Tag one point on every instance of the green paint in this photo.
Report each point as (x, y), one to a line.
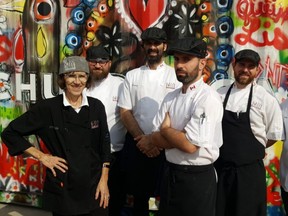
(10, 113)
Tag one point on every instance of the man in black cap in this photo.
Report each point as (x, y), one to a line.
(106, 88)
(252, 121)
(188, 127)
(144, 89)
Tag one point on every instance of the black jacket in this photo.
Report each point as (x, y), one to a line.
(80, 138)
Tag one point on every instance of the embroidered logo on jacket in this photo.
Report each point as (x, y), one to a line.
(94, 124)
(256, 104)
(170, 85)
(115, 98)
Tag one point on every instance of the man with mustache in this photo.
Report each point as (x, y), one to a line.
(143, 90)
(188, 127)
(106, 88)
(252, 121)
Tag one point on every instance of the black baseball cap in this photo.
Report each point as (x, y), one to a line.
(190, 46)
(249, 55)
(97, 52)
(155, 34)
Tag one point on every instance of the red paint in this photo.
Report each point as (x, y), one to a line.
(5, 48)
(146, 15)
(252, 13)
(32, 172)
(273, 195)
(71, 3)
(18, 47)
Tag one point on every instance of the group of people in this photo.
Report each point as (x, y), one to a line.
(160, 131)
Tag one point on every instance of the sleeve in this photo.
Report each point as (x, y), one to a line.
(284, 107)
(27, 124)
(273, 119)
(164, 108)
(104, 135)
(204, 128)
(125, 100)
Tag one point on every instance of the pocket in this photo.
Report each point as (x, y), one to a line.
(204, 131)
(54, 184)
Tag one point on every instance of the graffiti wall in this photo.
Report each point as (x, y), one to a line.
(35, 35)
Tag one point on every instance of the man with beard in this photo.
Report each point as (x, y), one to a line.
(144, 89)
(106, 88)
(252, 121)
(188, 127)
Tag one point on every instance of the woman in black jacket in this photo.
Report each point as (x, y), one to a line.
(74, 130)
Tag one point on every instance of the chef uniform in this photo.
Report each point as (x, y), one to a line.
(189, 183)
(242, 178)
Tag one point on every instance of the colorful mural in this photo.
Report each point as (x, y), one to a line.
(35, 35)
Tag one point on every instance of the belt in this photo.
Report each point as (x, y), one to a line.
(190, 168)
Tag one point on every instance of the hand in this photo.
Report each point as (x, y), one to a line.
(166, 122)
(102, 191)
(154, 152)
(53, 162)
(146, 147)
(144, 143)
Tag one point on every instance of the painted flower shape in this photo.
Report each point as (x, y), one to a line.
(113, 40)
(6, 196)
(186, 19)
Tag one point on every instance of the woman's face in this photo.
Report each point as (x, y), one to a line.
(75, 83)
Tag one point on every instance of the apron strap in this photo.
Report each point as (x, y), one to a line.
(249, 99)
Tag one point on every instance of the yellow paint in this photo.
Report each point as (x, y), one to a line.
(281, 3)
(96, 15)
(110, 3)
(204, 18)
(90, 36)
(41, 43)
(17, 5)
(278, 148)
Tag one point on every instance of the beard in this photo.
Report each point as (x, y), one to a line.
(97, 75)
(244, 80)
(154, 59)
(186, 79)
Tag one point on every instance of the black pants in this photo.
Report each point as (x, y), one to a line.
(284, 196)
(142, 175)
(188, 190)
(116, 185)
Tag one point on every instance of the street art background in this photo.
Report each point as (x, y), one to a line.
(35, 35)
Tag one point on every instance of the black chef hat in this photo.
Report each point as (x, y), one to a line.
(190, 46)
(155, 34)
(249, 55)
(97, 52)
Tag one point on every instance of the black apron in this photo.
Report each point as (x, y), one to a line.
(188, 190)
(242, 179)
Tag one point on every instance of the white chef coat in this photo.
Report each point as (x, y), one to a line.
(199, 113)
(284, 154)
(144, 90)
(265, 113)
(107, 91)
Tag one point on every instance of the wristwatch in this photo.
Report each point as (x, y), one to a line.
(106, 165)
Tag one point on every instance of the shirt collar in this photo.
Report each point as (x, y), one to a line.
(195, 86)
(160, 66)
(84, 99)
